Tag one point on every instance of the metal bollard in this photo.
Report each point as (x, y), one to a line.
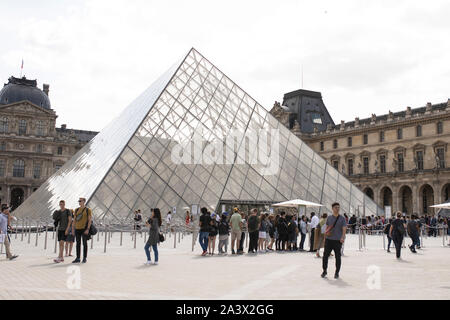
(121, 236)
(15, 237)
(443, 237)
(1, 248)
(45, 242)
(98, 236)
(92, 243)
(384, 242)
(135, 237)
(193, 239)
(109, 237)
(179, 238)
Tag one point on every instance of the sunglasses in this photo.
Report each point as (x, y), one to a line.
(80, 200)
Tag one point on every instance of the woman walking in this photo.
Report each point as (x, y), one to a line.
(271, 224)
(397, 232)
(303, 231)
(154, 222)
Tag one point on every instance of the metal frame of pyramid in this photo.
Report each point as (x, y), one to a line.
(128, 164)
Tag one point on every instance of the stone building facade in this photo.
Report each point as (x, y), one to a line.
(400, 159)
(31, 147)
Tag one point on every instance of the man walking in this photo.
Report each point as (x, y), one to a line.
(334, 239)
(236, 230)
(63, 219)
(314, 223)
(4, 218)
(204, 223)
(80, 228)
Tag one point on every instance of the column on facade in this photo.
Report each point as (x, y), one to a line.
(415, 199)
(395, 199)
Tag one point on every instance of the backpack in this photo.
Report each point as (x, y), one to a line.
(282, 226)
(386, 229)
(400, 228)
(223, 228)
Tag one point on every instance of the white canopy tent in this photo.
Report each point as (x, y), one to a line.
(297, 203)
(442, 206)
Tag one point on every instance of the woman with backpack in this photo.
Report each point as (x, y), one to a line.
(224, 232)
(154, 222)
(213, 230)
(397, 233)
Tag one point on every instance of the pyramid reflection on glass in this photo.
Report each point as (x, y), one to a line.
(128, 164)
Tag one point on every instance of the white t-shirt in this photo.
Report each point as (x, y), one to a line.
(314, 221)
(169, 217)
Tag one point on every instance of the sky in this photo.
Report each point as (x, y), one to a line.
(363, 56)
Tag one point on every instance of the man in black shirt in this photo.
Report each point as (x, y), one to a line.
(205, 221)
(63, 220)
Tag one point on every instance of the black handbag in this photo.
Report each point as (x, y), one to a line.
(161, 237)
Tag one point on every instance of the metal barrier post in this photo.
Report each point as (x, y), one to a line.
(443, 237)
(145, 237)
(29, 233)
(45, 242)
(121, 236)
(37, 234)
(105, 233)
(23, 228)
(384, 242)
(98, 236)
(92, 243)
(109, 236)
(56, 242)
(135, 236)
(359, 238)
(193, 238)
(17, 222)
(175, 240)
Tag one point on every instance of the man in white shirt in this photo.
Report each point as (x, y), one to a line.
(168, 220)
(314, 224)
(4, 220)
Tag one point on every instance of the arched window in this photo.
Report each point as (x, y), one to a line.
(22, 127)
(4, 128)
(39, 128)
(19, 168)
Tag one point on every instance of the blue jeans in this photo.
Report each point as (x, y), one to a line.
(155, 251)
(203, 239)
(389, 242)
(415, 241)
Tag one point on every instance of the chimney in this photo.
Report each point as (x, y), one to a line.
(428, 108)
(342, 125)
(408, 112)
(45, 88)
(448, 104)
(357, 122)
(64, 126)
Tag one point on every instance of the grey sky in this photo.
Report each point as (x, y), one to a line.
(364, 56)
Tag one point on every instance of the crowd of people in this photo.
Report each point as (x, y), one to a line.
(266, 232)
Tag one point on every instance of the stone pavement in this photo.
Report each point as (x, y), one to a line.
(181, 274)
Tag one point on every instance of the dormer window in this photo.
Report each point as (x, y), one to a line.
(316, 118)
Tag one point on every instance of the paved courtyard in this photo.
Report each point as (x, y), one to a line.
(182, 274)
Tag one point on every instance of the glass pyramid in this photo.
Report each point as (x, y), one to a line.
(129, 164)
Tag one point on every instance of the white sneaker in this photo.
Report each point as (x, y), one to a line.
(155, 263)
(147, 263)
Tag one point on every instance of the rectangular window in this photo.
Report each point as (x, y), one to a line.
(366, 165)
(439, 127)
(57, 167)
(37, 171)
(419, 159)
(2, 168)
(350, 167)
(2, 146)
(336, 164)
(399, 133)
(39, 128)
(4, 125)
(400, 162)
(381, 136)
(419, 131)
(382, 163)
(321, 147)
(365, 139)
(349, 141)
(22, 127)
(39, 148)
(335, 144)
(441, 157)
(60, 150)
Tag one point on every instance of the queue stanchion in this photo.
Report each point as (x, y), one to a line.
(443, 236)
(109, 236)
(17, 224)
(29, 233)
(23, 228)
(105, 233)
(384, 242)
(56, 241)
(121, 237)
(45, 241)
(37, 234)
(175, 240)
(135, 236)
